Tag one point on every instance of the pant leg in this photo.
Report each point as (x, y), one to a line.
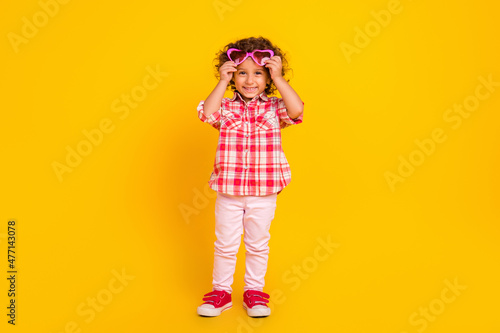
(228, 230)
(259, 212)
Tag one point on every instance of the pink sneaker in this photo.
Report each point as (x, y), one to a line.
(215, 302)
(255, 303)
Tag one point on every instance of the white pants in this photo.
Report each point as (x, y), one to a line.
(234, 216)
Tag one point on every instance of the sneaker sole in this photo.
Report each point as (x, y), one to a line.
(256, 313)
(214, 312)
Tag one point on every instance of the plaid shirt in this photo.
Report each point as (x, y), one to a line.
(249, 158)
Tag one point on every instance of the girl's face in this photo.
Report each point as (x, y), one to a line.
(250, 79)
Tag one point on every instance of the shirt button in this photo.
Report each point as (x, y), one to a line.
(246, 135)
(245, 167)
(246, 150)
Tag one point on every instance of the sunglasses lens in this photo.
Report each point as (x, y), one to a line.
(260, 56)
(237, 56)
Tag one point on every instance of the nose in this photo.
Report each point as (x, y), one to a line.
(249, 79)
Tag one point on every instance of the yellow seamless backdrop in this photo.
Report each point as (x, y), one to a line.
(390, 223)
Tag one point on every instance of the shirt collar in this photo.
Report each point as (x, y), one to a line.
(262, 96)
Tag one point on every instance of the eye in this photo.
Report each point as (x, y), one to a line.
(242, 73)
(258, 72)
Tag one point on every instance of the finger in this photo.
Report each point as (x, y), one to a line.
(227, 68)
(273, 62)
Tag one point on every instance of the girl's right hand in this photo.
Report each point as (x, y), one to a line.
(226, 71)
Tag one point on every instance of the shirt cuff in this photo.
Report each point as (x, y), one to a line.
(285, 119)
(213, 119)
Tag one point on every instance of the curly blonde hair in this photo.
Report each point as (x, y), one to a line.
(248, 45)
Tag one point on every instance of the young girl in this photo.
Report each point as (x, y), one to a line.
(250, 167)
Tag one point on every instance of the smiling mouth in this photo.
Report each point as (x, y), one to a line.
(250, 90)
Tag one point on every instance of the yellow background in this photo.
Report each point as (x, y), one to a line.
(121, 207)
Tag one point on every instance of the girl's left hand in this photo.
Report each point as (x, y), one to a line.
(274, 65)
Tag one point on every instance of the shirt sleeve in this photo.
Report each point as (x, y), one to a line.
(213, 119)
(285, 120)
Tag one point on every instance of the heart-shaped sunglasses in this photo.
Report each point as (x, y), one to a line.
(259, 56)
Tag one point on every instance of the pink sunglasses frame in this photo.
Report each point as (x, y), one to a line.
(247, 55)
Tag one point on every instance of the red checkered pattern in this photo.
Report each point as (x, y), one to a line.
(249, 158)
